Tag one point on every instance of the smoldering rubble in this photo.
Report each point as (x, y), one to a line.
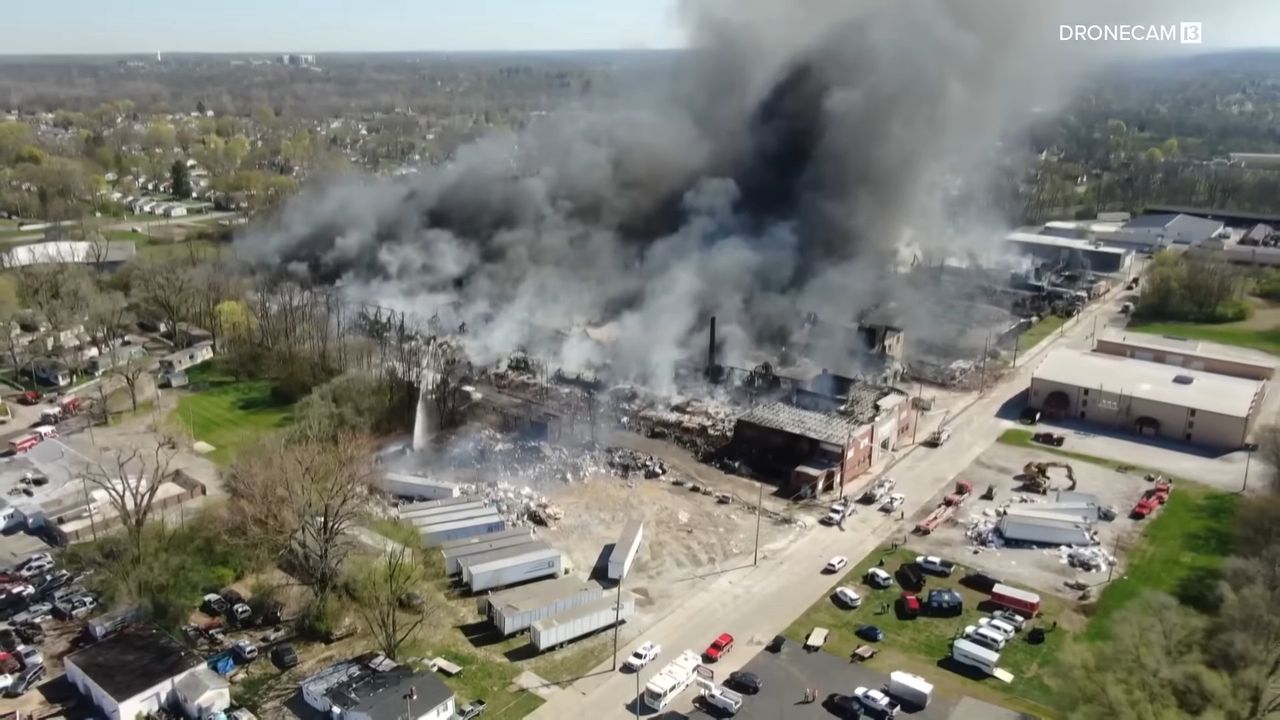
(799, 157)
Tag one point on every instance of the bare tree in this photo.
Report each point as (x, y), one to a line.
(165, 289)
(108, 320)
(132, 370)
(303, 498)
(131, 478)
(387, 600)
(446, 373)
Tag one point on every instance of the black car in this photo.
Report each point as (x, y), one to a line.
(846, 707)
(746, 682)
(284, 656)
(25, 681)
(776, 644)
(944, 602)
(1029, 416)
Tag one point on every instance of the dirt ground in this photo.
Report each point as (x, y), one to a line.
(1044, 569)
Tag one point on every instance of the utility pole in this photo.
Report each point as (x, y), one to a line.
(1114, 550)
(919, 400)
(617, 621)
(759, 502)
(986, 350)
(637, 705)
(88, 506)
(844, 454)
(1247, 458)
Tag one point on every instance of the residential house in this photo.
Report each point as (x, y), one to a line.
(137, 672)
(186, 358)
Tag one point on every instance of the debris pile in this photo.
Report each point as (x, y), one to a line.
(625, 461)
(1088, 559)
(981, 531)
(545, 514)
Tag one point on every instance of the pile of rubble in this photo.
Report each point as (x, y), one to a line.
(625, 461)
(981, 531)
(1088, 559)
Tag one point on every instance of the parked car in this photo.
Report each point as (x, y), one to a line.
(909, 604)
(870, 633)
(878, 578)
(845, 707)
(29, 656)
(1010, 617)
(240, 612)
(935, 565)
(273, 635)
(5, 681)
(35, 568)
(643, 655)
(747, 682)
(980, 581)
(213, 605)
(40, 612)
(1004, 628)
(1029, 416)
(836, 564)
(837, 514)
(1046, 438)
(944, 602)
(985, 637)
(26, 680)
(894, 502)
(82, 606)
(42, 558)
(938, 437)
(719, 647)
(776, 644)
(284, 656)
(472, 710)
(848, 597)
(876, 703)
(245, 651)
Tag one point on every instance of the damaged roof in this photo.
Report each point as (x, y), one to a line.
(827, 427)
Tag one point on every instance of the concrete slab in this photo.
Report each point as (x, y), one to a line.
(535, 684)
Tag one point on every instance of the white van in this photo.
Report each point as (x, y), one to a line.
(986, 637)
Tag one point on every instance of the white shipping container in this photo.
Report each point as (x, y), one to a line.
(539, 563)
(500, 535)
(516, 610)
(417, 486)
(432, 504)
(409, 512)
(453, 516)
(597, 615)
(624, 551)
(435, 535)
(453, 559)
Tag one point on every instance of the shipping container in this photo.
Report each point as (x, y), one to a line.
(434, 535)
(1022, 602)
(500, 535)
(433, 504)
(1043, 531)
(624, 551)
(414, 510)
(454, 558)
(515, 610)
(511, 566)
(417, 486)
(501, 553)
(449, 517)
(597, 615)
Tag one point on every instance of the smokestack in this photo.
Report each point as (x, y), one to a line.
(711, 349)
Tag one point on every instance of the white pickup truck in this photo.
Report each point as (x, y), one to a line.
(876, 703)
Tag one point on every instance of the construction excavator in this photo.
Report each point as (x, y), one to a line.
(1035, 477)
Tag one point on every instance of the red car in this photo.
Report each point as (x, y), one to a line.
(910, 604)
(30, 397)
(719, 647)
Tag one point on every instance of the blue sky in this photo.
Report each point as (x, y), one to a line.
(91, 26)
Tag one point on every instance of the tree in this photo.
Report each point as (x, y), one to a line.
(132, 370)
(384, 594)
(302, 498)
(167, 290)
(181, 179)
(130, 479)
(351, 403)
(109, 319)
(445, 375)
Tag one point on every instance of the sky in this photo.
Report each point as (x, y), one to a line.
(146, 26)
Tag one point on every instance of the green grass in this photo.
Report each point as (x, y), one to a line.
(1238, 334)
(228, 414)
(1039, 331)
(1182, 547)
(918, 645)
(491, 681)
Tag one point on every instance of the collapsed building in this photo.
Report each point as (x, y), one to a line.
(823, 437)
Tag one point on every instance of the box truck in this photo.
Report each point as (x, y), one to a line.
(557, 630)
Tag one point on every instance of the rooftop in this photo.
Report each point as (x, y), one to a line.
(69, 251)
(1187, 346)
(133, 661)
(1151, 381)
(1024, 238)
(382, 695)
(529, 597)
(1176, 223)
(827, 427)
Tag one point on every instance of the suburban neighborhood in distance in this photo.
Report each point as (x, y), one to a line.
(667, 360)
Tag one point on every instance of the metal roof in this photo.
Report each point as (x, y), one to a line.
(827, 427)
(1186, 346)
(1044, 531)
(540, 594)
(1151, 381)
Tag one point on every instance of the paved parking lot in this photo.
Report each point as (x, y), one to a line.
(786, 675)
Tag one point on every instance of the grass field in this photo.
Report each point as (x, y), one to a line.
(1181, 549)
(228, 414)
(1039, 331)
(1243, 334)
(920, 645)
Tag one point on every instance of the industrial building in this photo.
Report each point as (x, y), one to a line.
(1146, 397)
(1166, 229)
(1071, 252)
(1191, 354)
(141, 671)
(825, 436)
(374, 688)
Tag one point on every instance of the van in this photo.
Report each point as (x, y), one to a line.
(985, 637)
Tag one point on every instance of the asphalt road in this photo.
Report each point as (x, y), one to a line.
(756, 603)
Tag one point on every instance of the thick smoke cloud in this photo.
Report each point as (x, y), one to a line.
(801, 153)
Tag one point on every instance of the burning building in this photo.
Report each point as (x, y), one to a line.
(823, 437)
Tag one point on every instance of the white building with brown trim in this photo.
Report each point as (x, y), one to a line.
(1191, 354)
